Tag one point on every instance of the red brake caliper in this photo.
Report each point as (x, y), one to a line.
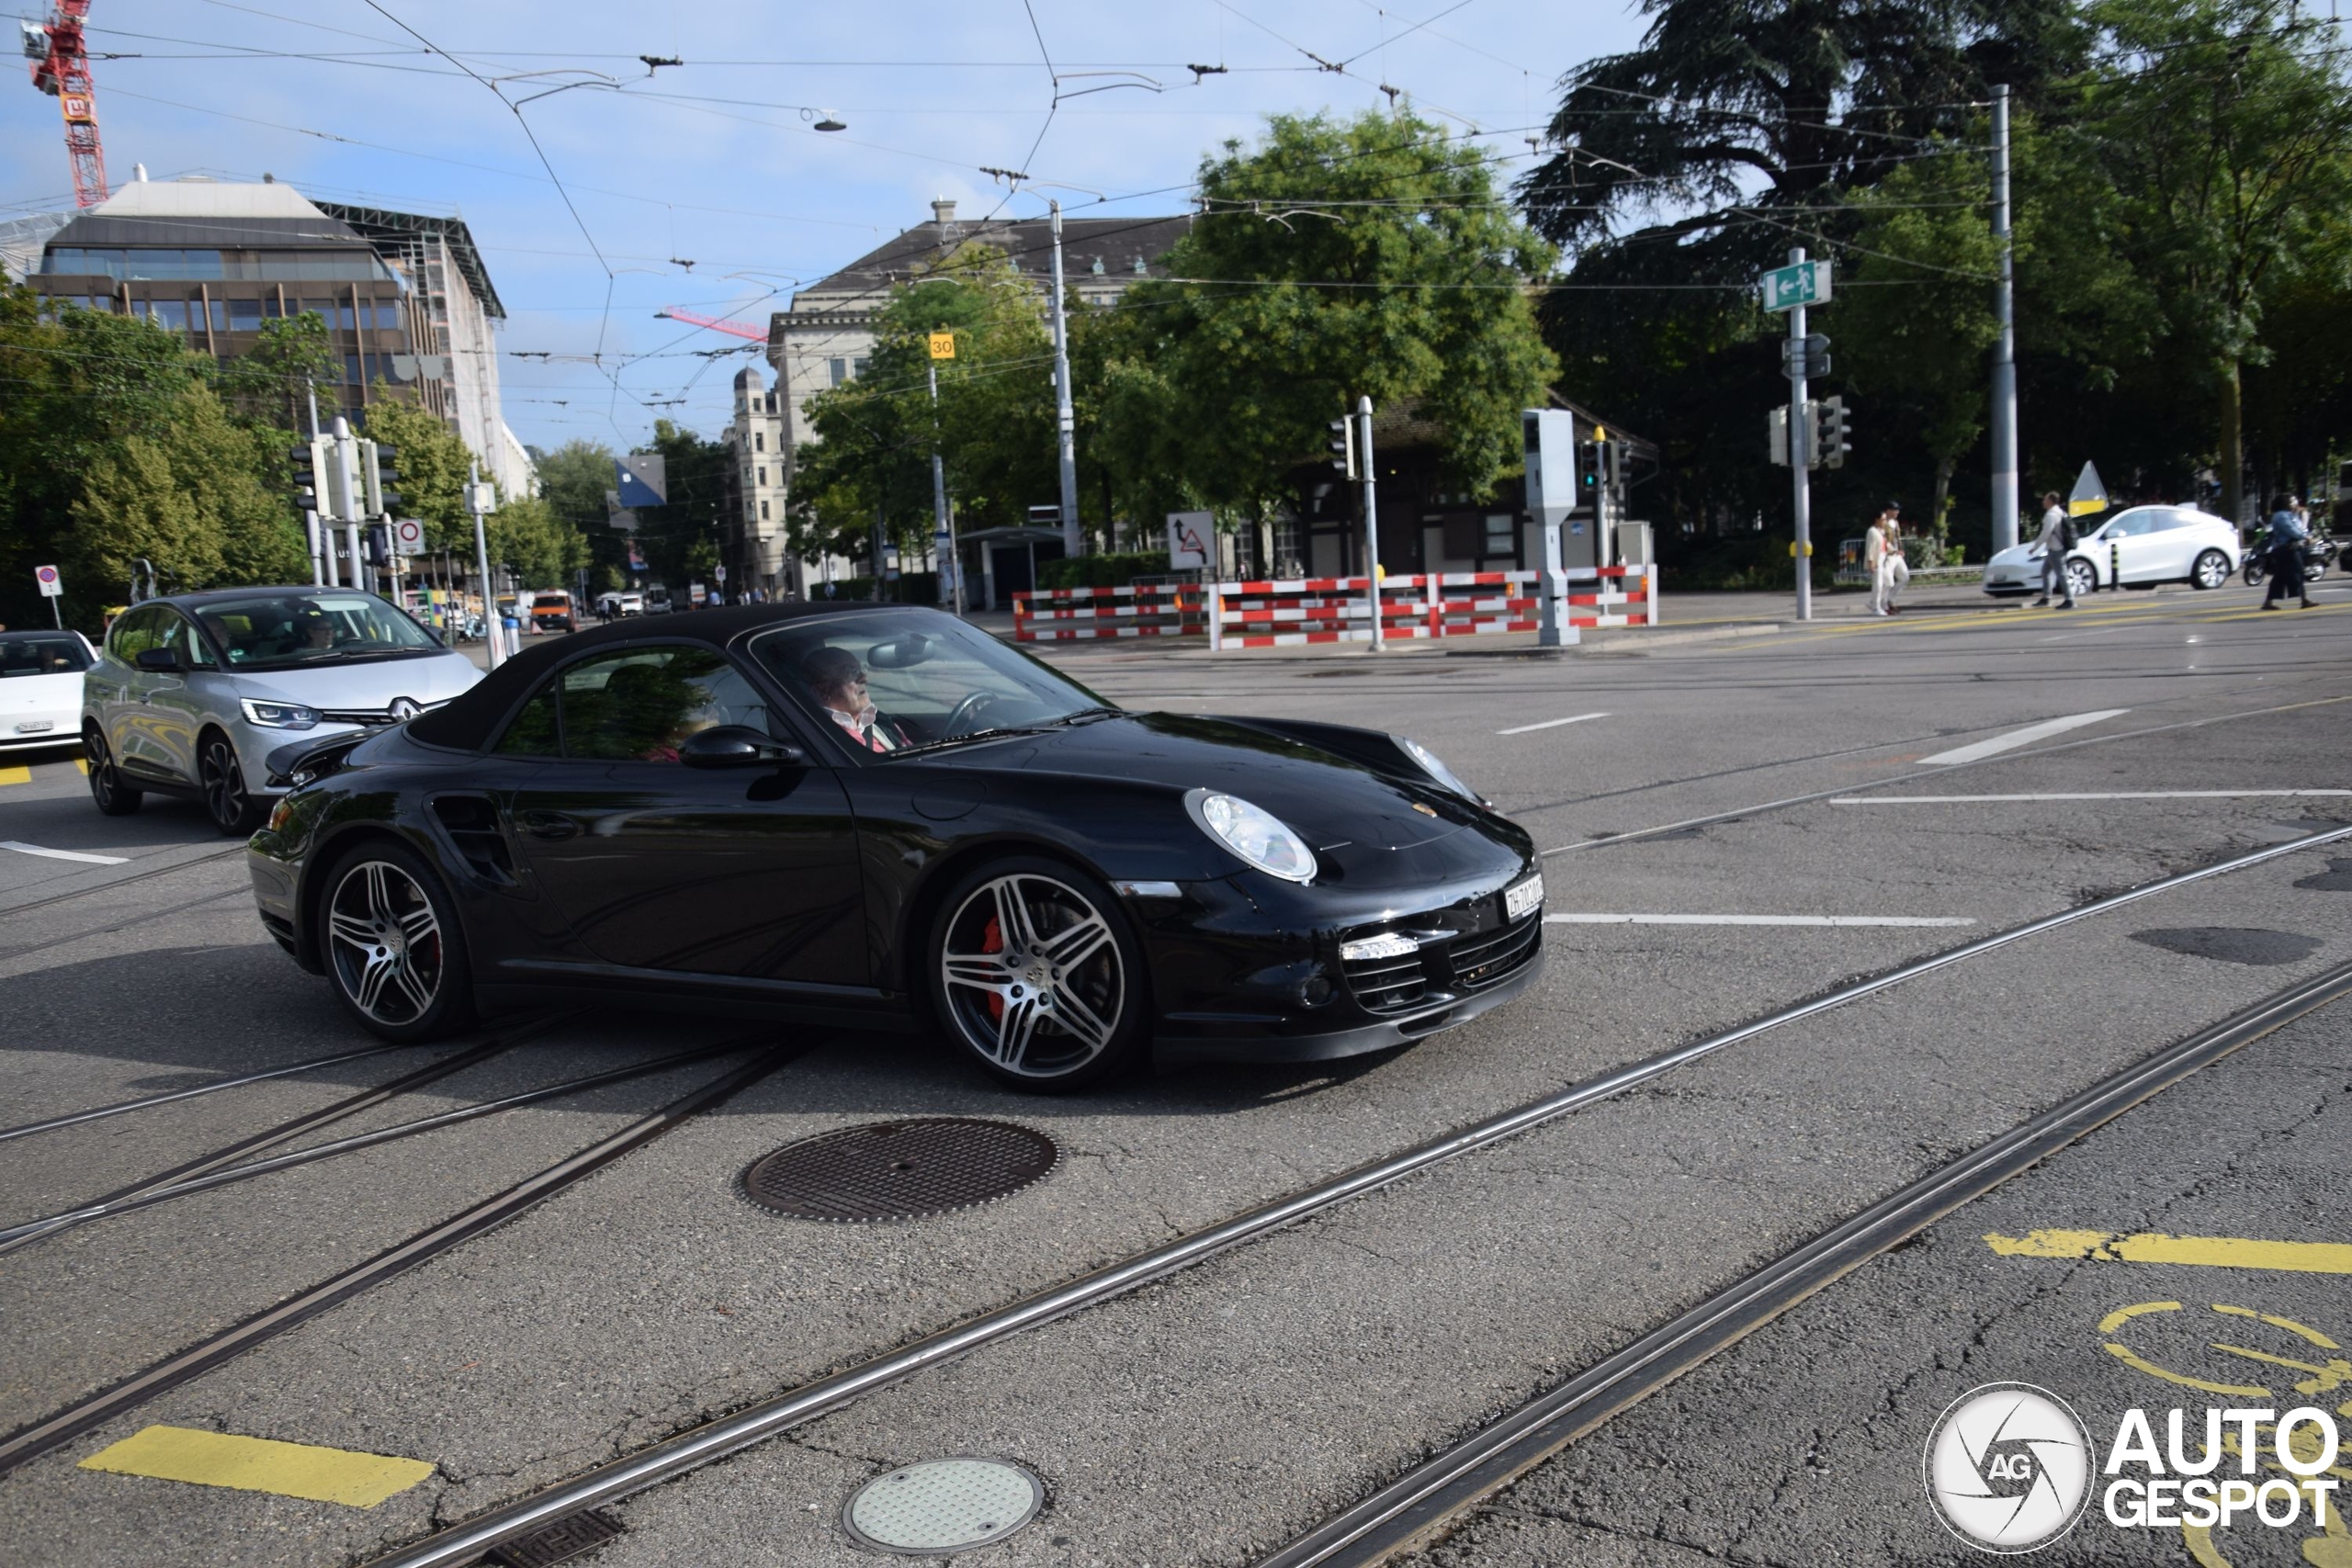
(993, 941)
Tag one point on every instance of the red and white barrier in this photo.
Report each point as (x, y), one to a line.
(1291, 612)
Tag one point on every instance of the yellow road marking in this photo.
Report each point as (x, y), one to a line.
(2204, 1251)
(82, 766)
(259, 1464)
(15, 775)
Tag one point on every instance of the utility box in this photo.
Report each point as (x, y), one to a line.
(1633, 545)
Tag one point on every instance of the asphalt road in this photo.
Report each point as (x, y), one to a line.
(1211, 1416)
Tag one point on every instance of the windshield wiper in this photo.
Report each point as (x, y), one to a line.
(1088, 716)
(989, 734)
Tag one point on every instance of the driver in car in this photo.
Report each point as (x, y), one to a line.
(838, 680)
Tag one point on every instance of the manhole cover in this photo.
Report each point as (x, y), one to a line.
(561, 1541)
(2337, 878)
(2232, 944)
(942, 1506)
(900, 1170)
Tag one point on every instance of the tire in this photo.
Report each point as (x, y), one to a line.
(2255, 572)
(416, 988)
(2210, 570)
(222, 780)
(2314, 569)
(2082, 579)
(1029, 1022)
(112, 796)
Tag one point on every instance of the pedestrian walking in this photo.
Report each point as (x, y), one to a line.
(2057, 539)
(2284, 541)
(1881, 549)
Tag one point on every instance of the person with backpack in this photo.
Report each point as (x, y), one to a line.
(2284, 541)
(2057, 539)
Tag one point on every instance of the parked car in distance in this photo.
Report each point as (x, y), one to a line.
(613, 605)
(552, 612)
(2138, 548)
(40, 687)
(192, 692)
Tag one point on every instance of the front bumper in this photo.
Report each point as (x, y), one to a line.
(255, 744)
(1351, 1040)
(2025, 578)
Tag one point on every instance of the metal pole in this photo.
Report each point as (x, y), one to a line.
(321, 540)
(1800, 457)
(943, 536)
(1065, 421)
(1371, 524)
(2005, 349)
(491, 629)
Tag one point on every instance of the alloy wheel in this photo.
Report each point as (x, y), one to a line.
(2082, 579)
(2212, 570)
(224, 786)
(385, 942)
(1035, 982)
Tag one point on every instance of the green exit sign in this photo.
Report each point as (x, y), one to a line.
(1806, 283)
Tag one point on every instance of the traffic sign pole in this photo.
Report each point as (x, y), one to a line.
(1800, 454)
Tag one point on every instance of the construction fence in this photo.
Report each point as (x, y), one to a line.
(1334, 609)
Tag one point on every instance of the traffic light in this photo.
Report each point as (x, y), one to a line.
(1343, 447)
(309, 483)
(376, 472)
(1835, 432)
(1811, 429)
(380, 545)
(1590, 456)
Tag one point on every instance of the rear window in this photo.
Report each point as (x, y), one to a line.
(41, 653)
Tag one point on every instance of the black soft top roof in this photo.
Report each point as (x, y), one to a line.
(466, 722)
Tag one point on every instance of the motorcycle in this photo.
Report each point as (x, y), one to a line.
(2319, 554)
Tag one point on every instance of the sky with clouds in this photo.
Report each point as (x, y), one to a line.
(717, 161)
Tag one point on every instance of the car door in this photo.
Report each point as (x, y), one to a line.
(175, 701)
(2138, 548)
(128, 709)
(750, 872)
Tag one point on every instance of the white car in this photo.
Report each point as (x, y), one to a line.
(41, 688)
(2138, 548)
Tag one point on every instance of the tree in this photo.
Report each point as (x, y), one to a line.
(272, 382)
(573, 480)
(199, 501)
(993, 421)
(1333, 261)
(434, 466)
(680, 539)
(2225, 126)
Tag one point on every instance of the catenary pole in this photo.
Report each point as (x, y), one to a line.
(2005, 348)
(495, 633)
(1371, 524)
(321, 540)
(1800, 454)
(1065, 421)
(943, 536)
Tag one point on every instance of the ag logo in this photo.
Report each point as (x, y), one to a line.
(2008, 1467)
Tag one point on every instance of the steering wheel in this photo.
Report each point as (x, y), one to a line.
(959, 722)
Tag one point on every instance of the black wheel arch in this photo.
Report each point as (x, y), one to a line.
(902, 972)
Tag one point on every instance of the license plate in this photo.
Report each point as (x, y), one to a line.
(1526, 896)
(37, 727)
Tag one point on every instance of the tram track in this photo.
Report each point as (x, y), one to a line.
(40, 1437)
(114, 882)
(705, 1444)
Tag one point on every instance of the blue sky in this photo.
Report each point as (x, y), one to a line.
(717, 162)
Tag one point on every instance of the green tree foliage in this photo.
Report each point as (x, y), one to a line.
(2225, 127)
(202, 500)
(1334, 260)
(574, 481)
(680, 539)
(272, 382)
(433, 465)
(993, 420)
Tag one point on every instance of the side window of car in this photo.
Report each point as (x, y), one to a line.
(533, 732)
(182, 637)
(133, 634)
(638, 705)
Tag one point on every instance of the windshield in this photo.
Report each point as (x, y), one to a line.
(41, 653)
(325, 627)
(907, 679)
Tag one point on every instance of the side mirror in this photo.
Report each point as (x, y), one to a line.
(737, 745)
(161, 659)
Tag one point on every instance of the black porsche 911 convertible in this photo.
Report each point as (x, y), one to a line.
(877, 816)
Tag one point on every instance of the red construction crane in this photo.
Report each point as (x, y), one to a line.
(737, 329)
(63, 71)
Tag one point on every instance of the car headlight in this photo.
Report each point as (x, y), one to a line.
(278, 715)
(1438, 771)
(1259, 837)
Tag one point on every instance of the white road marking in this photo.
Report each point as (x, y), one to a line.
(61, 854)
(1551, 724)
(2117, 795)
(1756, 920)
(2016, 737)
